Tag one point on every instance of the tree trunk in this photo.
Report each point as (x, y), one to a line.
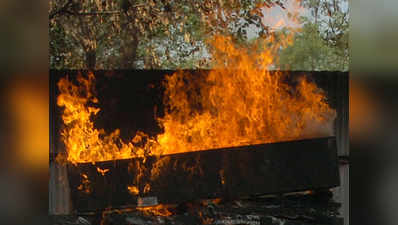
(91, 59)
(130, 53)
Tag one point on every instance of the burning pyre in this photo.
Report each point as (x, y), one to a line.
(239, 102)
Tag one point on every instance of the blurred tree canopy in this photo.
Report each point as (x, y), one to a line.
(162, 34)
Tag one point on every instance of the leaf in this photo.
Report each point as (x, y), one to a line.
(165, 21)
(187, 37)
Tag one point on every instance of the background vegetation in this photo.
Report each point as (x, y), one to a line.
(162, 34)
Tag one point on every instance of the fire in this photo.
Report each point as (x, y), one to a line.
(239, 102)
(85, 143)
(147, 188)
(102, 171)
(133, 190)
(159, 210)
(85, 185)
(222, 177)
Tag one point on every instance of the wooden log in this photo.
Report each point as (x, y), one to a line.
(220, 173)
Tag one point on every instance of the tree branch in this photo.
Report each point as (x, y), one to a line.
(97, 13)
(63, 9)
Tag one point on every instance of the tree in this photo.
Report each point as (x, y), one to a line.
(322, 44)
(104, 34)
(81, 32)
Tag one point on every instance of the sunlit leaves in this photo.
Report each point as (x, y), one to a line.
(122, 32)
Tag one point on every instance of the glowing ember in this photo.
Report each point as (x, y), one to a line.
(147, 188)
(102, 171)
(133, 190)
(85, 186)
(238, 103)
(159, 210)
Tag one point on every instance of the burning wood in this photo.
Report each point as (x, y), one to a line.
(226, 133)
(237, 103)
(138, 173)
(299, 208)
(222, 173)
(236, 131)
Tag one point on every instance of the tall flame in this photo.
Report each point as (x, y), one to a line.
(85, 143)
(238, 102)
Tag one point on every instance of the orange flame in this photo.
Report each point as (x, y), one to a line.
(239, 102)
(159, 210)
(102, 171)
(85, 186)
(147, 188)
(85, 143)
(133, 190)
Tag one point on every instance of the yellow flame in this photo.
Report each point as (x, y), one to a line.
(85, 143)
(102, 171)
(239, 102)
(133, 190)
(159, 210)
(85, 185)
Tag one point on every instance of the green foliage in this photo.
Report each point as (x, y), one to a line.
(107, 34)
(144, 34)
(310, 52)
(322, 44)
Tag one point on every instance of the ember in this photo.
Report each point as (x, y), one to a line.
(159, 210)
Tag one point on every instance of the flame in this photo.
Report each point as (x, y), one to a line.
(214, 201)
(102, 171)
(239, 102)
(85, 143)
(133, 190)
(222, 176)
(85, 186)
(205, 219)
(159, 210)
(147, 188)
